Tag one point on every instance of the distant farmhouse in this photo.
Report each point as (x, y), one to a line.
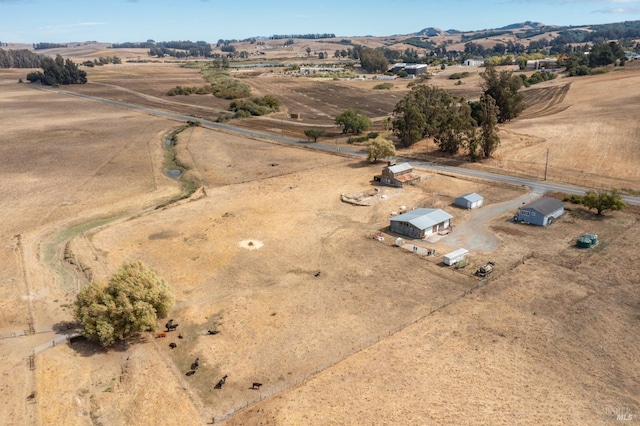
(541, 212)
(421, 223)
(397, 175)
(474, 62)
(542, 64)
(411, 69)
(469, 201)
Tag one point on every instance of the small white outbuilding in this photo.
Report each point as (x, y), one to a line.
(469, 201)
(455, 256)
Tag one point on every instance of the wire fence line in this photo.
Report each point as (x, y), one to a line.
(14, 334)
(51, 343)
(289, 384)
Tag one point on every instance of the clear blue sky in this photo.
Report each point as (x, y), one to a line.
(117, 21)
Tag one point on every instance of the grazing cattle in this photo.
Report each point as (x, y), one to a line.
(195, 364)
(170, 325)
(173, 345)
(212, 332)
(191, 373)
(180, 336)
(161, 335)
(221, 382)
(256, 385)
(317, 274)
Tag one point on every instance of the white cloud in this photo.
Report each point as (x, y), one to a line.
(59, 29)
(619, 10)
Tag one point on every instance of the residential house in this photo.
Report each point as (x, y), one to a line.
(541, 212)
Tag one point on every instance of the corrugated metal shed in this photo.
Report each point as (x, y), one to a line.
(398, 168)
(423, 218)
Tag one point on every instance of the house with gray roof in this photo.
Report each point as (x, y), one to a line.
(397, 175)
(421, 223)
(541, 212)
(411, 69)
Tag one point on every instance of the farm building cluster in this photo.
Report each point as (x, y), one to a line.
(431, 224)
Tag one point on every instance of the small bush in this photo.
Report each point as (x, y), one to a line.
(363, 138)
(458, 75)
(383, 86)
(186, 91)
(256, 106)
(573, 199)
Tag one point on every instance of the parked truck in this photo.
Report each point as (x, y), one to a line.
(485, 269)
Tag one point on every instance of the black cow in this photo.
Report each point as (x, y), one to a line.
(195, 364)
(170, 325)
(221, 382)
(256, 385)
(212, 332)
(173, 345)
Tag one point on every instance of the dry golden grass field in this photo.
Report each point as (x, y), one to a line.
(339, 328)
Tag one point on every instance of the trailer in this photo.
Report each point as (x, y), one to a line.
(455, 256)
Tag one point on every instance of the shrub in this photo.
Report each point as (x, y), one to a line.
(458, 75)
(383, 86)
(256, 106)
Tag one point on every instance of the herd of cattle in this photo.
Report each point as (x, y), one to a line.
(171, 326)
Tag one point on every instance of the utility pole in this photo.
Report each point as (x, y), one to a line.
(546, 165)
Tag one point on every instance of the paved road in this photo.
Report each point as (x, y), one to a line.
(538, 187)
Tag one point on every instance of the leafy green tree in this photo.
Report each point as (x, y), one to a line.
(503, 87)
(379, 148)
(602, 201)
(373, 60)
(352, 120)
(315, 133)
(429, 111)
(489, 139)
(605, 54)
(409, 123)
(132, 302)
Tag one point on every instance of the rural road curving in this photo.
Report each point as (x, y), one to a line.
(538, 187)
(473, 233)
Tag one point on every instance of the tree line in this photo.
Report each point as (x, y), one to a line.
(302, 36)
(39, 46)
(22, 58)
(453, 123)
(58, 71)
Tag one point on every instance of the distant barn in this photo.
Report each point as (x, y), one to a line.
(397, 175)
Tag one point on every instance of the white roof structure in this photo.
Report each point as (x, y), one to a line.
(472, 197)
(423, 218)
(400, 168)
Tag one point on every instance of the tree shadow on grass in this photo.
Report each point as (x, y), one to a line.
(88, 348)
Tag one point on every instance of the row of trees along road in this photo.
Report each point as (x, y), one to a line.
(453, 123)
